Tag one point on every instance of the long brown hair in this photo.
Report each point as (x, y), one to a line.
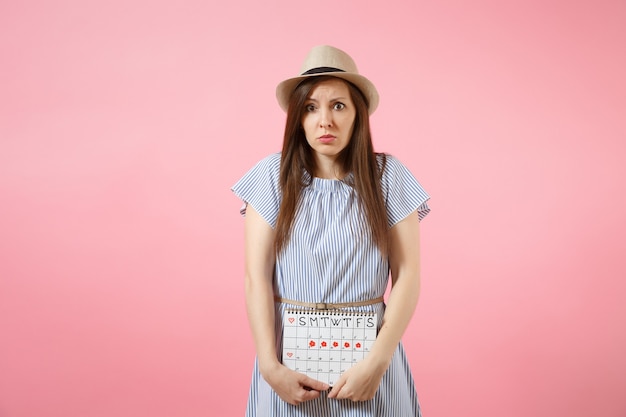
(357, 158)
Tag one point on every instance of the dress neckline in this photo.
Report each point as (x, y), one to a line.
(329, 184)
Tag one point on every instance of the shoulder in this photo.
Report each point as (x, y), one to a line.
(265, 171)
(266, 168)
(260, 188)
(402, 192)
(390, 166)
(270, 163)
(273, 158)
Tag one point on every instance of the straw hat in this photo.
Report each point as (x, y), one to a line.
(327, 60)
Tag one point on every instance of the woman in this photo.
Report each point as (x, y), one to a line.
(325, 222)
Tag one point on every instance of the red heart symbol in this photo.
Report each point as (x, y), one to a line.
(289, 354)
(291, 319)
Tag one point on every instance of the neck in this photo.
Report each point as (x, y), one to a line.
(328, 168)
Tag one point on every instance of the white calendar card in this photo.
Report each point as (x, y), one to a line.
(324, 343)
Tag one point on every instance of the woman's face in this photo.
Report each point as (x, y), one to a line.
(328, 120)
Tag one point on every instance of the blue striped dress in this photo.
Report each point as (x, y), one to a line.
(331, 258)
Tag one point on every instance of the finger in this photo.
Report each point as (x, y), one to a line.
(313, 384)
(334, 392)
(310, 395)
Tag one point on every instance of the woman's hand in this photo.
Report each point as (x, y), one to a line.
(293, 387)
(360, 382)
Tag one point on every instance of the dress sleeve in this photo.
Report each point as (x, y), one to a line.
(402, 192)
(260, 188)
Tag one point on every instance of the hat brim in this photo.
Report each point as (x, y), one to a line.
(286, 88)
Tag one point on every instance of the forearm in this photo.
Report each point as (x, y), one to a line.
(260, 308)
(404, 261)
(400, 308)
(260, 260)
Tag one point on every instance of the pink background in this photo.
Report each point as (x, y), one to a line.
(124, 123)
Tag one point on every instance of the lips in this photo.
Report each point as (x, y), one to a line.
(327, 138)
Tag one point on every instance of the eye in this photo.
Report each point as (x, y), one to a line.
(309, 108)
(339, 106)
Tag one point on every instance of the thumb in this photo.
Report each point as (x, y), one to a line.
(337, 387)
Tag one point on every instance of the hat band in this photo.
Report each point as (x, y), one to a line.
(321, 70)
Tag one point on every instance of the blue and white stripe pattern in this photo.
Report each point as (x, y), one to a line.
(331, 258)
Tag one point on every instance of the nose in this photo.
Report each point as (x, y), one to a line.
(326, 118)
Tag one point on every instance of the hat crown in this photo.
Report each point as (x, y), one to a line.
(325, 56)
(328, 60)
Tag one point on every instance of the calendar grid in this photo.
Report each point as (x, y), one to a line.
(324, 344)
